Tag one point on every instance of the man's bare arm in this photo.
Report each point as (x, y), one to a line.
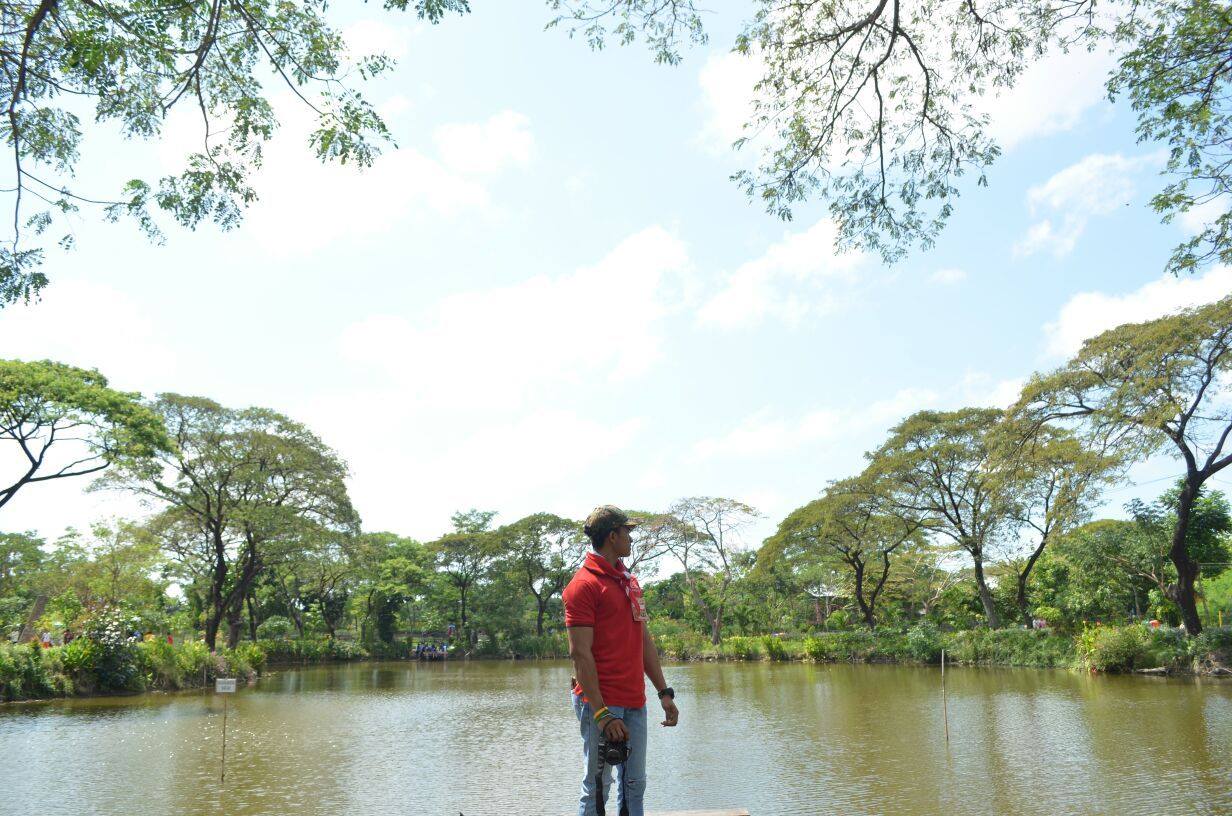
(650, 660)
(654, 670)
(581, 638)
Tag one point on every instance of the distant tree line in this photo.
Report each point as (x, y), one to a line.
(976, 516)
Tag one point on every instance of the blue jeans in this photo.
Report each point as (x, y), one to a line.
(630, 777)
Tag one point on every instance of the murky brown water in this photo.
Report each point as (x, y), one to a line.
(499, 738)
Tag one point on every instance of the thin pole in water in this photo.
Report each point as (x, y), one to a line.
(222, 777)
(945, 712)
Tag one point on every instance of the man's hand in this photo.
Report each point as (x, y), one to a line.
(614, 729)
(669, 709)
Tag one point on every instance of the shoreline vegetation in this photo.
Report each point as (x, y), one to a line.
(981, 531)
(85, 668)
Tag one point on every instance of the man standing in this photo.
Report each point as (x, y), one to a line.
(611, 649)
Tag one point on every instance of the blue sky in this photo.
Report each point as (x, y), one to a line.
(550, 296)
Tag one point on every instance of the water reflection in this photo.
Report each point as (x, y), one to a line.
(487, 738)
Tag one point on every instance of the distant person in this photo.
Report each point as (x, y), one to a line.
(611, 647)
(46, 640)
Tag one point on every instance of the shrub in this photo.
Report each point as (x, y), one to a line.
(540, 646)
(1212, 649)
(1010, 647)
(775, 648)
(160, 664)
(275, 628)
(397, 650)
(23, 673)
(117, 663)
(1127, 648)
(685, 645)
(738, 647)
(924, 643)
(244, 661)
(310, 651)
(839, 619)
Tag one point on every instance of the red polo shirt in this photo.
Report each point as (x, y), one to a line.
(596, 598)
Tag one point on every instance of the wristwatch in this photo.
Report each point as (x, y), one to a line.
(667, 692)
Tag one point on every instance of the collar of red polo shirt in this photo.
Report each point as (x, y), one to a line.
(620, 574)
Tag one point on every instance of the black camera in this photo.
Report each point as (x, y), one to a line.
(613, 753)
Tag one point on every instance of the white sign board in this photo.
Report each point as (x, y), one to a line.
(224, 686)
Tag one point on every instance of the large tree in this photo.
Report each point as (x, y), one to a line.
(237, 489)
(855, 525)
(464, 556)
(59, 422)
(1208, 537)
(706, 537)
(131, 63)
(1149, 388)
(544, 550)
(1053, 482)
(941, 464)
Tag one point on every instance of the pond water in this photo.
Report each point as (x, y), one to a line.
(499, 738)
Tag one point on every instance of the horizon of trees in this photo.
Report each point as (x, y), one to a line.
(251, 516)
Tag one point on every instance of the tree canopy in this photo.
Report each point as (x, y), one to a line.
(131, 63)
(63, 421)
(875, 107)
(1146, 388)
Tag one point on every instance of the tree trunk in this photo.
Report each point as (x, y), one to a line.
(539, 619)
(990, 608)
(1024, 608)
(213, 615)
(252, 619)
(331, 625)
(866, 610)
(1186, 568)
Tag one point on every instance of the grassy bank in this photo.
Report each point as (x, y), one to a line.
(85, 667)
(1103, 649)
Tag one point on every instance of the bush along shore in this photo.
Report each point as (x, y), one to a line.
(1104, 649)
(87, 666)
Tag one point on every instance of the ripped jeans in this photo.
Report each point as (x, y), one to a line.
(630, 777)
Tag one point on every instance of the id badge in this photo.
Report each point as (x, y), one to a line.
(637, 602)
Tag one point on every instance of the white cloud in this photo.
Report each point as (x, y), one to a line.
(1097, 185)
(305, 205)
(1199, 217)
(727, 83)
(89, 325)
(765, 434)
(482, 148)
(948, 277)
(600, 322)
(369, 37)
(981, 390)
(1089, 313)
(1051, 96)
(501, 464)
(488, 384)
(795, 277)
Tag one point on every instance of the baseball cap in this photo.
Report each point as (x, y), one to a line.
(604, 519)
